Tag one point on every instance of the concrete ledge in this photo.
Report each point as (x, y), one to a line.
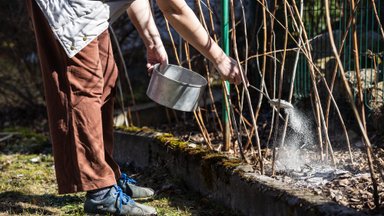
(219, 178)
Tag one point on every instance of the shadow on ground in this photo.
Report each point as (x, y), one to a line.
(172, 198)
(13, 202)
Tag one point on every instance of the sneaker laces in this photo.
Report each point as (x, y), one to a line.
(127, 179)
(123, 199)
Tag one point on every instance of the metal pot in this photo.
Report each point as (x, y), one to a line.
(176, 87)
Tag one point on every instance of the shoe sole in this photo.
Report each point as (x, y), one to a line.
(91, 214)
(143, 198)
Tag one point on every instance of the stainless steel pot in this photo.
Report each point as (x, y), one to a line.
(176, 87)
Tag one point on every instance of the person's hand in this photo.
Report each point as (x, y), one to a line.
(156, 55)
(230, 71)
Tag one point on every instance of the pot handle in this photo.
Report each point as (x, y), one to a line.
(162, 66)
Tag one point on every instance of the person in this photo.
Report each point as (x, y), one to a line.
(79, 75)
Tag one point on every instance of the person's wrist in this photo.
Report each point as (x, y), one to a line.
(218, 56)
(220, 59)
(154, 44)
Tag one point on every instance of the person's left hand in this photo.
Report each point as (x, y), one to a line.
(230, 71)
(156, 55)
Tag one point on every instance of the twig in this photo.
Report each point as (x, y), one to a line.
(313, 69)
(247, 95)
(211, 21)
(241, 99)
(357, 115)
(281, 77)
(213, 105)
(172, 41)
(202, 129)
(330, 92)
(360, 103)
(8, 136)
(234, 123)
(274, 157)
(273, 91)
(126, 75)
(119, 86)
(258, 107)
(293, 72)
(236, 130)
(377, 17)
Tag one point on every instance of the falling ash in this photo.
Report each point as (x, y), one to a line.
(290, 152)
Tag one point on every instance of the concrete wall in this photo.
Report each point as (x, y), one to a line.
(245, 192)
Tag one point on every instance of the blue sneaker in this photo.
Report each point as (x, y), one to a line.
(128, 185)
(116, 202)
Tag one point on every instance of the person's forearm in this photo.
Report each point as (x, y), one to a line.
(185, 22)
(141, 16)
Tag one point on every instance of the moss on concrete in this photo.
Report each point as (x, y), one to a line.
(130, 129)
(171, 141)
(210, 160)
(231, 163)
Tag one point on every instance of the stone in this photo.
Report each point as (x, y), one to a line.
(376, 96)
(368, 77)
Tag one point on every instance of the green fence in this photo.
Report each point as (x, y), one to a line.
(370, 42)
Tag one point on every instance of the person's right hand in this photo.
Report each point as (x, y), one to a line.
(230, 71)
(156, 55)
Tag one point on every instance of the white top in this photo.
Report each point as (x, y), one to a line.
(76, 23)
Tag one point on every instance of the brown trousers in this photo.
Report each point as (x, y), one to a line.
(79, 94)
